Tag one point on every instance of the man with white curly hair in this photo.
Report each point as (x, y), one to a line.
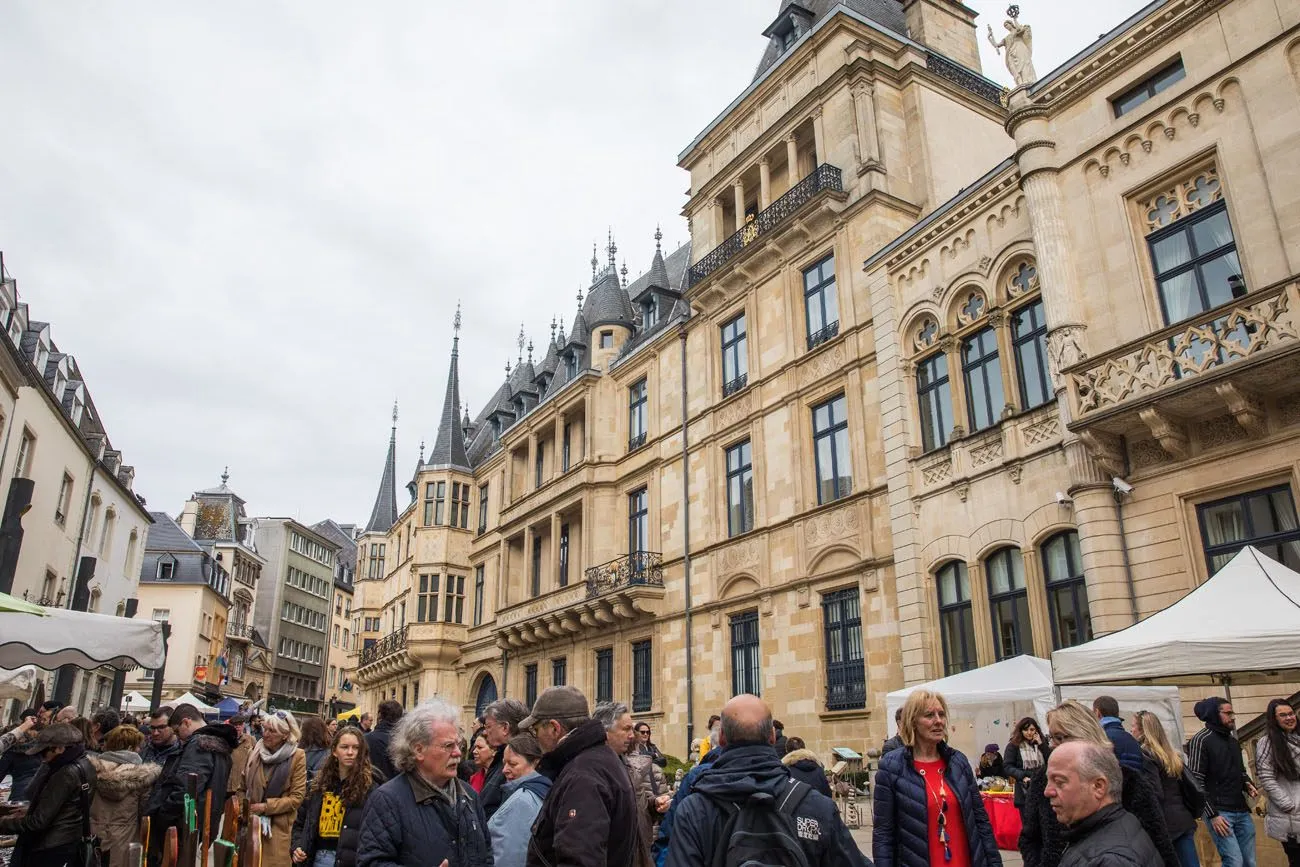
(425, 816)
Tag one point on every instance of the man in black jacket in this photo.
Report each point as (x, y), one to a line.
(379, 739)
(748, 766)
(50, 828)
(16, 762)
(1214, 758)
(205, 752)
(589, 818)
(500, 723)
(1084, 783)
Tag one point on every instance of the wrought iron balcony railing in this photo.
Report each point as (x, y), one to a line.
(386, 646)
(636, 442)
(964, 78)
(1260, 323)
(824, 177)
(817, 338)
(239, 630)
(735, 385)
(846, 686)
(640, 568)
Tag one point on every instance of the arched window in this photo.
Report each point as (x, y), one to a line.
(956, 627)
(1009, 603)
(487, 693)
(1067, 592)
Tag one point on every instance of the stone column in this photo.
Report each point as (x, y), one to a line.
(1000, 322)
(951, 347)
(764, 183)
(718, 220)
(864, 112)
(528, 564)
(792, 158)
(738, 189)
(819, 138)
(555, 550)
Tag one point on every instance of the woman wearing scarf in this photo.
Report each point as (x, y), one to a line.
(124, 782)
(50, 829)
(328, 826)
(275, 785)
(1025, 754)
(1277, 759)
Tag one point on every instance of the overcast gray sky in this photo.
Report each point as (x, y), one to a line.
(251, 221)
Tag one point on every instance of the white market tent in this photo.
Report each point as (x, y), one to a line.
(18, 684)
(134, 702)
(59, 636)
(984, 704)
(1241, 626)
(191, 699)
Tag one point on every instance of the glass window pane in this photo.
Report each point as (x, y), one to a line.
(830, 304)
(1181, 297)
(1215, 274)
(842, 461)
(1212, 233)
(1171, 252)
(815, 321)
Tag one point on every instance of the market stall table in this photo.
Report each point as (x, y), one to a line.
(1004, 816)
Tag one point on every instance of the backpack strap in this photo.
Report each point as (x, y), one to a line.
(84, 796)
(793, 797)
(731, 810)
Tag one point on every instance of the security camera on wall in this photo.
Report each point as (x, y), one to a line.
(1121, 486)
(1063, 500)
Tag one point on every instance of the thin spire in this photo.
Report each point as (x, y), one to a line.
(553, 323)
(595, 262)
(659, 236)
(422, 451)
(225, 475)
(394, 416)
(624, 273)
(579, 299)
(384, 515)
(530, 352)
(612, 249)
(519, 341)
(449, 447)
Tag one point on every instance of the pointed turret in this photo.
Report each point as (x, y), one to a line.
(384, 515)
(449, 447)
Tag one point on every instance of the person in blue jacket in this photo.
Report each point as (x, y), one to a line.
(1127, 749)
(521, 800)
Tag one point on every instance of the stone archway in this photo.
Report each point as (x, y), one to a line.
(487, 693)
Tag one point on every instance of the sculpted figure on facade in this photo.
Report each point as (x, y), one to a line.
(1019, 45)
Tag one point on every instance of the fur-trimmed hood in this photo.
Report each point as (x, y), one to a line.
(799, 756)
(217, 738)
(118, 781)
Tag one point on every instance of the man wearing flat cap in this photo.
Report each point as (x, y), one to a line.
(49, 830)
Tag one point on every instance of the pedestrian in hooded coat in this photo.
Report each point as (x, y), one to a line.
(378, 739)
(124, 781)
(804, 765)
(205, 752)
(525, 789)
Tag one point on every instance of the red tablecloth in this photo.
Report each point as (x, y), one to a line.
(1005, 819)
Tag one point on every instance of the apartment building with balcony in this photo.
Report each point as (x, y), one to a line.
(816, 453)
(340, 693)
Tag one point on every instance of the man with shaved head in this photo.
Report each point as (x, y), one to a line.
(748, 786)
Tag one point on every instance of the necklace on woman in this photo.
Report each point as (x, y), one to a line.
(941, 803)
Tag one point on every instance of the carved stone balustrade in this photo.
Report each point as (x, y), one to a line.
(386, 658)
(621, 591)
(1192, 386)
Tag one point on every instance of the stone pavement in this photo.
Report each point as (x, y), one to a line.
(863, 838)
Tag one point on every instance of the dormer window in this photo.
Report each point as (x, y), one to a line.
(78, 405)
(650, 312)
(571, 364)
(166, 569)
(793, 22)
(42, 353)
(496, 429)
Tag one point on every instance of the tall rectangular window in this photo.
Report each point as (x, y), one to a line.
(745, 658)
(560, 671)
(459, 506)
(935, 400)
(1067, 591)
(26, 446)
(642, 677)
(1149, 87)
(735, 356)
(530, 684)
(454, 610)
(1196, 264)
(383, 548)
(1264, 518)
(564, 555)
(64, 505)
(982, 370)
(482, 508)
(567, 458)
(605, 674)
(539, 465)
(426, 606)
(638, 517)
(956, 627)
(478, 595)
(439, 504)
(537, 566)
(429, 488)
(831, 450)
(740, 489)
(637, 398)
(821, 307)
(1029, 341)
(846, 674)
(1009, 603)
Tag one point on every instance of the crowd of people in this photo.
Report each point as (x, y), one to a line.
(563, 783)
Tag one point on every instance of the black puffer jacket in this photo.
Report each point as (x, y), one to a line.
(1043, 839)
(1110, 837)
(589, 819)
(207, 755)
(307, 823)
(377, 742)
(901, 832)
(739, 773)
(54, 818)
(1180, 797)
(1013, 767)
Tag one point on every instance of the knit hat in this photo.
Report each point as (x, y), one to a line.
(990, 748)
(1207, 709)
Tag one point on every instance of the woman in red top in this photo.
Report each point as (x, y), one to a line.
(483, 755)
(927, 807)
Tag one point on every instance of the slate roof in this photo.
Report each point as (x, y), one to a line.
(166, 540)
(886, 13)
(449, 447)
(167, 535)
(330, 529)
(384, 515)
(607, 303)
(220, 513)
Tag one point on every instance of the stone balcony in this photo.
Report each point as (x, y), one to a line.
(1194, 385)
(239, 632)
(623, 590)
(413, 647)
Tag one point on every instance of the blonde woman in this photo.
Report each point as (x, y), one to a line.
(1179, 795)
(1043, 838)
(275, 784)
(927, 804)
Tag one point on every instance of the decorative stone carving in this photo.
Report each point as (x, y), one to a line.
(986, 453)
(1105, 451)
(973, 309)
(765, 604)
(1065, 348)
(824, 364)
(937, 473)
(986, 262)
(1245, 407)
(803, 595)
(829, 526)
(1147, 453)
(1219, 431)
(742, 555)
(870, 581)
(1023, 280)
(963, 490)
(1168, 430)
(737, 410)
(1019, 45)
(927, 331)
(1190, 194)
(1015, 471)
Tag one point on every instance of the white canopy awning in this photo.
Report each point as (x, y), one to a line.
(134, 702)
(18, 684)
(64, 637)
(985, 704)
(1241, 626)
(191, 699)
